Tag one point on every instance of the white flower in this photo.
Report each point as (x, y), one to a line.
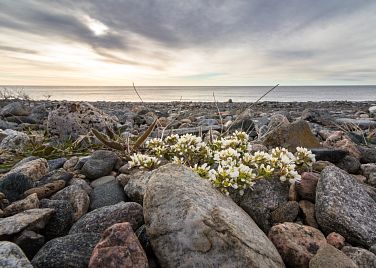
(143, 161)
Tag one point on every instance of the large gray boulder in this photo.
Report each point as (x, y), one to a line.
(344, 206)
(11, 256)
(71, 120)
(192, 224)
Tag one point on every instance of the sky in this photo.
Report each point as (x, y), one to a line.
(186, 43)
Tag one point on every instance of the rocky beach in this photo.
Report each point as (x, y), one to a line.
(71, 198)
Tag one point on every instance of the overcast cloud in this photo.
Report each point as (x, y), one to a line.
(193, 42)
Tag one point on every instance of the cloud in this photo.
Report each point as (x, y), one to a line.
(193, 39)
(18, 50)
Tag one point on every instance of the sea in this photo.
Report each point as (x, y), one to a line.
(195, 93)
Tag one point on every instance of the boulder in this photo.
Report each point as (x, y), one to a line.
(34, 169)
(47, 189)
(14, 109)
(344, 206)
(321, 117)
(77, 197)
(13, 186)
(107, 194)
(136, 186)
(82, 183)
(100, 219)
(340, 141)
(306, 186)
(99, 164)
(74, 119)
(362, 257)
(290, 136)
(330, 257)
(13, 140)
(56, 163)
(329, 154)
(39, 113)
(277, 120)
(70, 163)
(101, 180)
(192, 224)
(349, 164)
(296, 243)
(71, 251)
(119, 247)
(55, 175)
(33, 218)
(368, 169)
(61, 220)
(7, 125)
(367, 154)
(11, 256)
(29, 202)
(265, 196)
(336, 240)
(286, 212)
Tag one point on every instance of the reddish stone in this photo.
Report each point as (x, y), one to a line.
(340, 141)
(118, 248)
(306, 187)
(296, 244)
(336, 240)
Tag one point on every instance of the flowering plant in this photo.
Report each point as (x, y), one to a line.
(226, 162)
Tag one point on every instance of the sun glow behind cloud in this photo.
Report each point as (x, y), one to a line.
(187, 43)
(96, 26)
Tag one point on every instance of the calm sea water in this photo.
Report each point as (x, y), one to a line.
(237, 94)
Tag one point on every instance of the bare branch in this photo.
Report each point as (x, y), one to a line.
(137, 93)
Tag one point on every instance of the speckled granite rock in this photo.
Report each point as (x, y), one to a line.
(71, 251)
(100, 219)
(296, 243)
(119, 247)
(330, 257)
(11, 256)
(344, 206)
(191, 224)
(74, 119)
(31, 218)
(362, 257)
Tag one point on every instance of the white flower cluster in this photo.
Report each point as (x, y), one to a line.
(227, 162)
(143, 161)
